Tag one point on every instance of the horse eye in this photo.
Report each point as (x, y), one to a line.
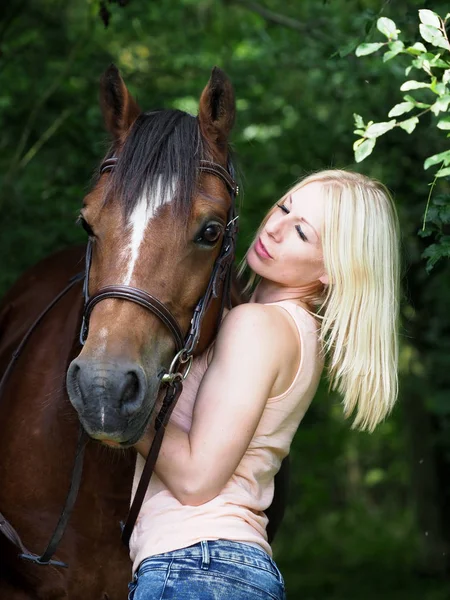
(210, 234)
(85, 225)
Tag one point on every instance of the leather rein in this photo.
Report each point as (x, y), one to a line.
(173, 379)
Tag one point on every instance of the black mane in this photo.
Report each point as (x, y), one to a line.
(166, 144)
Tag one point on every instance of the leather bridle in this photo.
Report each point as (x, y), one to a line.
(172, 380)
(185, 345)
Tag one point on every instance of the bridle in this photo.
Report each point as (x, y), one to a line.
(172, 380)
(185, 345)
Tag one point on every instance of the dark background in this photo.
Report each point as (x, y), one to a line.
(369, 514)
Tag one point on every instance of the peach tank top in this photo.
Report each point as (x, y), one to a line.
(237, 513)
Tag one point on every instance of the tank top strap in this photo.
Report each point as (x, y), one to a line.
(305, 324)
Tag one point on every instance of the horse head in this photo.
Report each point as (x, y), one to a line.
(157, 218)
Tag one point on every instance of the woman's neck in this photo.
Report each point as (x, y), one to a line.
(269, 291)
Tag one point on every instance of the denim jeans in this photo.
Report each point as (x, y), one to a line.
(209, 570)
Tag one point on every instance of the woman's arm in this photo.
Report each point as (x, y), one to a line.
(250, 353)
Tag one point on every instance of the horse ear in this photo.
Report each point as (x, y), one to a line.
(119, 108)
(217, 109)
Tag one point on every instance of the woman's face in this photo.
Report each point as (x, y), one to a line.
(289, 249)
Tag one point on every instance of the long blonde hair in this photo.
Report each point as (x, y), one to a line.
(359, 306)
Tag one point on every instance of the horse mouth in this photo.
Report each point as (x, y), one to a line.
(116, 443)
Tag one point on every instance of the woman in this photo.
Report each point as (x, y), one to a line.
(326, 267)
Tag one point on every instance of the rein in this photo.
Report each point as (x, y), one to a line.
(173, 379)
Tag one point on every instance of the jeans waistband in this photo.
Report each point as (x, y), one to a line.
(217, 549)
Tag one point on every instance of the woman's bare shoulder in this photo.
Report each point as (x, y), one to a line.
(259, 323)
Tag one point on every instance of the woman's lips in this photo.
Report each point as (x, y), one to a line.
(261, 250)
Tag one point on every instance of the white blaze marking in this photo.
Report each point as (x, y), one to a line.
(139, 219)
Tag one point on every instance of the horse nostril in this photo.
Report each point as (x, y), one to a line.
(73, 385)
(131, 387)
(133, 392)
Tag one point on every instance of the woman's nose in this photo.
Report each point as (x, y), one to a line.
(274, 228)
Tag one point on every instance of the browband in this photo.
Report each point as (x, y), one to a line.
(204, 166)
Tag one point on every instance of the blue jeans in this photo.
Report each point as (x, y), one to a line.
(216, 570)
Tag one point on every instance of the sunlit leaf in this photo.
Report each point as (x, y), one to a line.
(400, 109)
(441, 105)
(378, 129)
(428, 17)
(443, 172)
(433, 36)
(364, 49)
(394, 49)
(416, 49)
(409, 125)
(387, 28)
(364, 149)
(444, 123)
(409, 98)
(413, 85)
(442, 157)
(359, 123)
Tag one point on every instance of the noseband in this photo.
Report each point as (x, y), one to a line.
(185, 346)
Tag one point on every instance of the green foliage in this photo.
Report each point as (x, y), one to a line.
(435, 63)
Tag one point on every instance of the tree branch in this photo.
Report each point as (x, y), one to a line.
(283, 20)
(44, 138)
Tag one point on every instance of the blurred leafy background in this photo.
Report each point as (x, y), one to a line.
(369, 515)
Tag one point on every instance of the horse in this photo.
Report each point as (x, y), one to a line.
(156, 218)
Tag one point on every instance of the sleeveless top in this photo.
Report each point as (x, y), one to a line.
(237, 513)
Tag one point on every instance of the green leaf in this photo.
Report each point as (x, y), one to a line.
(436, 61)
(400, 109)
(409, 98)
(446, 76)
(359, 123)
(378, 129)
(444, 123)
(413, 85)
(387, 28)
(395, 48)
(442, 157)
(443, 173)
(347, 49)
(439, 88)
(428, 17)
(409, 125)
(364, 149)
(435, 252)
(441, 105)
(416, 49)
(433, 36)
(364, 49)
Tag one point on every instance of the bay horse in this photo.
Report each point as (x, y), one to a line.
(155, 223)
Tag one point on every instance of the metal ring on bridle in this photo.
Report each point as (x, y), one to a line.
(172, 374)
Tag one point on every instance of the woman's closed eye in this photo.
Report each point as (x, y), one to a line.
(300, 231)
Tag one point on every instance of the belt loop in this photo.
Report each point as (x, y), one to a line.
(206, 559)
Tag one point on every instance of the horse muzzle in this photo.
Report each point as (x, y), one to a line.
(114, 400)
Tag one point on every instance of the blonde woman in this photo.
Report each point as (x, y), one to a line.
(325, 265)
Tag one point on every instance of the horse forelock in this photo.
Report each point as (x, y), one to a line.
(162, 147)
